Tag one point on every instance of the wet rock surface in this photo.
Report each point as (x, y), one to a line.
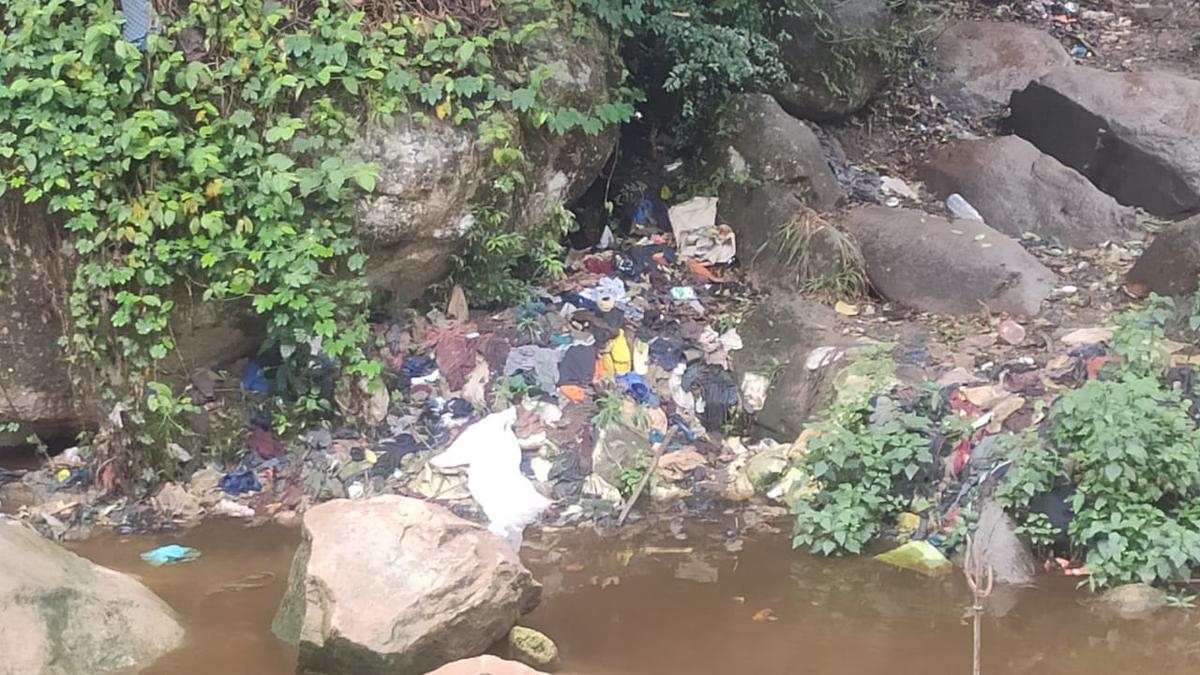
(981, 63)
(1018, 189)
(947, 266)
(398, 585)
(1131, 601)
(1132, 134)
(1171, 265)
(62, 615)
(998, 547)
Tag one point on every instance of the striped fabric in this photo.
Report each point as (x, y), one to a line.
(137, 21)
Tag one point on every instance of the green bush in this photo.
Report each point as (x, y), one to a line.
(213, 162)
(862, 468)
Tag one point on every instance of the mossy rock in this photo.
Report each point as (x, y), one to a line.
(532, 648)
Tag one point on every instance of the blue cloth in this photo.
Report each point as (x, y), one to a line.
(137, 22)
(578, 300)
(417, 366)
(170, 555)
(253, 379)
(239, 482)
(636, 388)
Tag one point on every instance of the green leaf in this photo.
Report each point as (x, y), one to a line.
(523, 100)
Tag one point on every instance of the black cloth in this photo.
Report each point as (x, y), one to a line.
(667, 353)
(578, 365)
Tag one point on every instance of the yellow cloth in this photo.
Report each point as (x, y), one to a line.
(617, 359)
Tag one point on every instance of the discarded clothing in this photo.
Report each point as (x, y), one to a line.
(637, 389)
(492, 454)
(239, 482)
(253, 379)
(617, 359)
(417, 366)
(455, 360)
(170, 555)
(578, 365)
(540, 361)
(265, 444)
(574, 393)
(645, 258)
(578, 300)
(720, 395)
(391, 452)
(567, 475)
(494, 349)
(666, 352)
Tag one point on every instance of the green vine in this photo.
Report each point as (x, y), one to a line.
(216, 164)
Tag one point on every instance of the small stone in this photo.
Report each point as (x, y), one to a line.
(1132, 601)
(532, 648)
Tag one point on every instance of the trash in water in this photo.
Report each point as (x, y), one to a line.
(961, 208)
(170, 554)
(918, 556)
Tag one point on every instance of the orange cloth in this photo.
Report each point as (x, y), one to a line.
(573, 392)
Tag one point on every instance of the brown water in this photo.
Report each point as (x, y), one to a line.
(614, 608)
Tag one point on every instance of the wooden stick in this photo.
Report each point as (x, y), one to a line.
(658, 451)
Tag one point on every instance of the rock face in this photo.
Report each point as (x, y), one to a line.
(430, 176)
(923, 262)
(1132, 134)
(1171, 265)
(62, 615)
(812, 61)
(1018, 189)
(432, 173)
(773, 165)
(397, 585)
(981, 63)
(998, 546)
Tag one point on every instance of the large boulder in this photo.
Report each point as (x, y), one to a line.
(1132, 134)
(947, 267)
(791, 340)
(832, 70)
(63, 615)
(398, 585)
(1171, 265)
(773, 165)
(1018, 188)
(432, 174)
(979, 64)
(997, 546)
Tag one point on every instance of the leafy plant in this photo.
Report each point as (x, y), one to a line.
(499, 263)
(1041, 532)
(609, 407)
(509, 390)
(1140, 337)
(631, 476)
(863, 468)
(215, 162)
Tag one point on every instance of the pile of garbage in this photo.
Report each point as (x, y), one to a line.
(618, 374)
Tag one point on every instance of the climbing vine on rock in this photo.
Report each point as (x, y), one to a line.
(210, 160)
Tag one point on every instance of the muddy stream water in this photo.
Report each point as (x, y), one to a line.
(649, 606)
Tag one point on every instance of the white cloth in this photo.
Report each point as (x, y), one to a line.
(492, 454)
